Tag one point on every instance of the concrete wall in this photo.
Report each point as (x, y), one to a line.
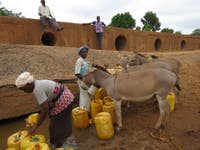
(29, 32)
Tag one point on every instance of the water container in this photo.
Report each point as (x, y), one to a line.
(107, 99)
(110, 107)
(171, 97)
(15, 139)
(100, 93)
(32, 119)
(32, 140)
(96, 107)
(104, 126)
(39, 146)
(80, 117)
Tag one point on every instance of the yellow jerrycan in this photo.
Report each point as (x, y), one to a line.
(100, 94)
(107, 99)
(104, 126)
(171, 98)
(80, 117)
(110, 107)
(95, 107)
(32, 119)
(38, 146)
(32, 140)
(15, 139)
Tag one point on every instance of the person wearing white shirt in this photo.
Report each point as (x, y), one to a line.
(81, 67)
(47, 16)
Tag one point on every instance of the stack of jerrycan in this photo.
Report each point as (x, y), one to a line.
(103, 114)
(23, 141)
(80, 117)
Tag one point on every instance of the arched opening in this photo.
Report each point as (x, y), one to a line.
(157, 44)
(48, 38)
(120, 42)
(183, 44)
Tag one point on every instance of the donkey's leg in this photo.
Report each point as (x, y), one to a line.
(118, 114)
(164, 110)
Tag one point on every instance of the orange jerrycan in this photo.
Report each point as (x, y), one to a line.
(104, 126)
(80, 117)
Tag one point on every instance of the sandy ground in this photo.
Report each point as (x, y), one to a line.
(182, 129)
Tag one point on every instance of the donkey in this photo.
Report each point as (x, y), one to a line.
(138, 86)
(133, 62)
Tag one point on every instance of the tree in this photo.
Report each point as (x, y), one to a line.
(123, 20)
(196, 32)
(151, 19)
(147, 27)
(178, 32)
(138, 28)
(168, 30)
(6, 12)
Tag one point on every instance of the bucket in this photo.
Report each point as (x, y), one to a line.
(110, 107)
(32, 140)
(32, 119)
(80, 117)
(95, 107)
(171, 97)
(104, 126)
(39, 146)
(15, 139)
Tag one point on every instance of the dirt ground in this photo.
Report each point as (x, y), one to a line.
(182, 130)
(183, 127)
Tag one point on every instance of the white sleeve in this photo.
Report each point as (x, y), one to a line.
(40, 10)
(40, 96)
(78, 66)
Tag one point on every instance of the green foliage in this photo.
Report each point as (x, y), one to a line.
(147, 27)
(123, 20)
(196, 32)
(151, 19)
(168, 30)
(6, 12)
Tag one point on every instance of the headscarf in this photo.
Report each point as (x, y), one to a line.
(23, 79)
(82, 47)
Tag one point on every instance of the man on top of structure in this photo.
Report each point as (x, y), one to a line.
(46, 17)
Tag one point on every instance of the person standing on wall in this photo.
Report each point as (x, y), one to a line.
(56, 101)
(81, 68)
(99, 27)
(46, 17)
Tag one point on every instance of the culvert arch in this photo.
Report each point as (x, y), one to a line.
(183, 44)
(157, 44)
(120, 42)
(48, 39)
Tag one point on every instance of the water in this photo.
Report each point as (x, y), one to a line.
(10, 126)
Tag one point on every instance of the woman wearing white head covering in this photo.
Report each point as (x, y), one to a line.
(81, 67)
(54, 100)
